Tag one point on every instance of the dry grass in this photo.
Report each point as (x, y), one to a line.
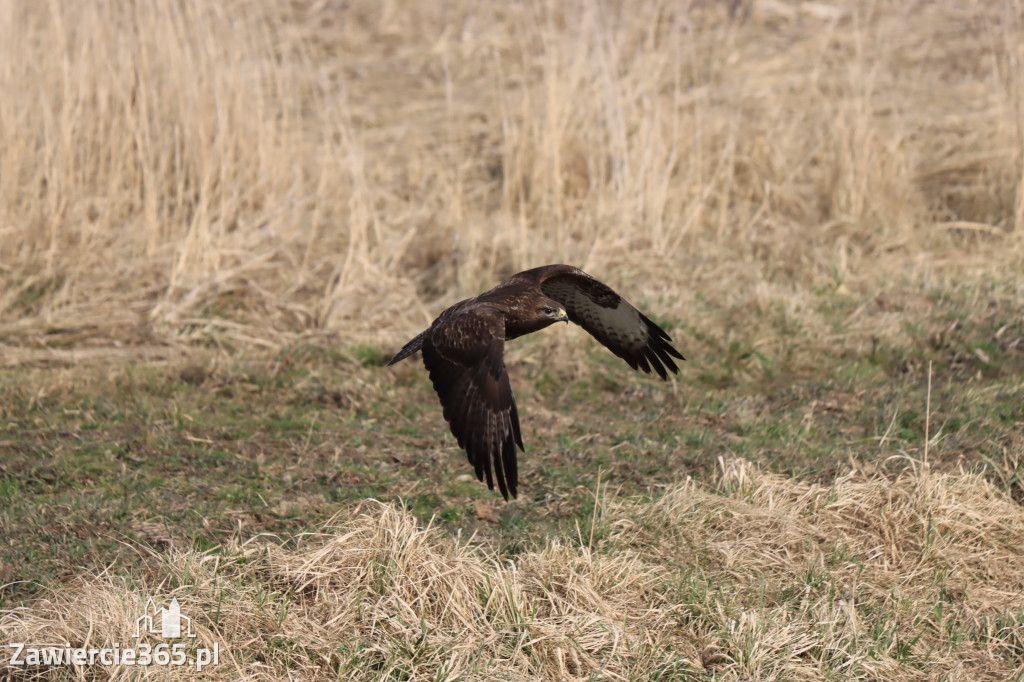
(751, 576)
(249, 172)
(778, 181)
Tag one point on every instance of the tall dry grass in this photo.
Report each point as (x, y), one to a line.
(252, 171)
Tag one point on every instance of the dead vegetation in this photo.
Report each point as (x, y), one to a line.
(251, 173)
(818, 199)
(750, 576)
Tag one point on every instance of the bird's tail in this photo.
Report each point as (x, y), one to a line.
(410, 348)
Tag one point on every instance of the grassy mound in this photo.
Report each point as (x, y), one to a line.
(751, 576)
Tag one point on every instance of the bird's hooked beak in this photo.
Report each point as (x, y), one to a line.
(562, 316)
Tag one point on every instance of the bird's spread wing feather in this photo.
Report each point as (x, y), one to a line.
(464, 355)
(610, 319)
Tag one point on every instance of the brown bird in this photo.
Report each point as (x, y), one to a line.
(464, 351)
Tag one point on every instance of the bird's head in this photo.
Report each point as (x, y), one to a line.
(555, 313)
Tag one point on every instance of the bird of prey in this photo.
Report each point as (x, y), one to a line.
(464, 349)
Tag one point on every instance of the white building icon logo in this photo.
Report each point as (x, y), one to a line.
(164, 622)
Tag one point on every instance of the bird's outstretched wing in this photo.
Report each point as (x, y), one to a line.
(610, 319)
(464, 355)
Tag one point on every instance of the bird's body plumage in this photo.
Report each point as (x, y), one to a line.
(464, 348)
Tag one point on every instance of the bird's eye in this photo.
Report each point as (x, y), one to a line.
(549, 311)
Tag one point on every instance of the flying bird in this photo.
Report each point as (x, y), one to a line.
(464, 349)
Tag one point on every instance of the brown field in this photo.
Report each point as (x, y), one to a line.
(217, 221)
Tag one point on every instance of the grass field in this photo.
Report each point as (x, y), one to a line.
(219, 220)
